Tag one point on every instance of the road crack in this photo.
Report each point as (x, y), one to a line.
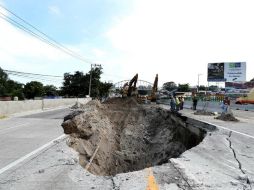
(114, 184)
(237, 160)
(180, 173)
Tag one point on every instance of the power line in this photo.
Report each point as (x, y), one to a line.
(43, 36)
(43, 39)
(46, 39)
(34, 78)
(9, 71)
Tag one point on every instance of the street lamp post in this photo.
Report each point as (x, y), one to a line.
(198, 81)
(90, 83)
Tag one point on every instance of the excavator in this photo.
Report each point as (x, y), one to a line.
(152, 97)
(130, 88)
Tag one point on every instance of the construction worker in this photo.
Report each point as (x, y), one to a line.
(172, 104)
(177, 103)
(195, 102)
(181, 102)
(225, 104)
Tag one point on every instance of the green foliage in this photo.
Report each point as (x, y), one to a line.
(184, 87)
(74, 85)
(9, 87)
(77, 85)
(213, 88)
(33, 89)
(104, 89)
(169, 86)
(15, 89)
(202, 87)
(50, 90)
(3, 80)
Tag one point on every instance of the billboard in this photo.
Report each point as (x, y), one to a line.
(215, 72)
(235, 72)
(227, 71)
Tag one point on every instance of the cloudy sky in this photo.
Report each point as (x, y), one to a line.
(175, 39)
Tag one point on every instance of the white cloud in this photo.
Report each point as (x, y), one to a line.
(176, 39)
(54, 10)
(21, 52)
(98, 52)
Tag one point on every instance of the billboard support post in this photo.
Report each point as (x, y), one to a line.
(198, 82)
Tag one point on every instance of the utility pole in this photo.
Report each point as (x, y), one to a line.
(198, 82)
(90, 83)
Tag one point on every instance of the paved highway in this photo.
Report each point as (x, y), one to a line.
(22, 135)
(215, 106)
(223, 161)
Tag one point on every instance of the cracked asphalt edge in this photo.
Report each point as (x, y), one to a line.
(237, 160)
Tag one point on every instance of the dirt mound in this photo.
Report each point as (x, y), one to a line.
(121, 135)
(226, 117)
(203, 112)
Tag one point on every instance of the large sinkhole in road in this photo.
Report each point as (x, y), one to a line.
(121, 135)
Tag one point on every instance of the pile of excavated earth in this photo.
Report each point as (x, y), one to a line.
(227, 117)
(203, 112)
(120, 135)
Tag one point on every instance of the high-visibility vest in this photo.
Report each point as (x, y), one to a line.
(177, 101)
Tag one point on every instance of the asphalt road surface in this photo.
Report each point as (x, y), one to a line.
(20, 136)
(223, 161)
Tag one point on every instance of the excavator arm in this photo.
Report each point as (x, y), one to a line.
(154, 89)
(133, 82)
(152, 97)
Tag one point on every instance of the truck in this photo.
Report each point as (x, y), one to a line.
(246, 99)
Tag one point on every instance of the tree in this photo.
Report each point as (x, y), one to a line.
(169, 86)
(96, 83)
(3, 80)
(213, 88)
(15, 89)
(184, 87)
(104, 89)
(75, 85)
(78, 84)
(201, 87)
(50, 90)
(9, 87)
(33, 89)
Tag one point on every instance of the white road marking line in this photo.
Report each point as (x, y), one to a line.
(7, 129)
(16, 162)
(246, 135)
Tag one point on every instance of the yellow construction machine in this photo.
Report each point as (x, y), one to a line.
(152, 97)
(130, 88)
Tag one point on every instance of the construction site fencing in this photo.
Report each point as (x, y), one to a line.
(217, 98)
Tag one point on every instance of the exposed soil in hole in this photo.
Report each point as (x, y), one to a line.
(127, 136)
